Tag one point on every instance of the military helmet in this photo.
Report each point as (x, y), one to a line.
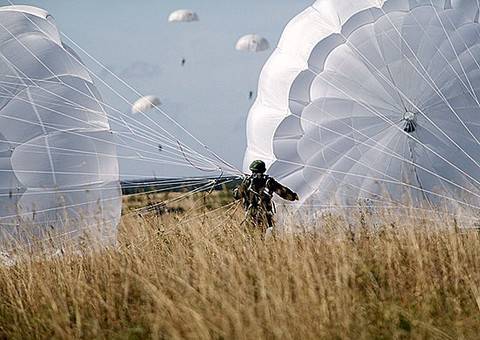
(258, 166)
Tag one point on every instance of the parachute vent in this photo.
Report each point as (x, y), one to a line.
(410, 122)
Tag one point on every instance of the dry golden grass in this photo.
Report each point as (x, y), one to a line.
(204, 277)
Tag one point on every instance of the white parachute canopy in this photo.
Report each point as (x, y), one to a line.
(374, 100)
(183, 15)
(252, 43)
(58, 165)
(145, 104)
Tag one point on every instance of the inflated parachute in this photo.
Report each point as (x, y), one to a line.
(252, 43)
(145, 104)
(374, 100)
(58, 166)
(183, 15)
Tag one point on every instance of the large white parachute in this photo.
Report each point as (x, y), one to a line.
(374, 100)
(58, 167)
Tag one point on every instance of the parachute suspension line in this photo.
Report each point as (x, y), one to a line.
(398, 93)
(428, 148)
(31, 102)
(45, 136)
(156, 108)
(206, 186)
(382, 173)
(393, 154)
(66, 149)
(379, 180)
(41, 123)
(199, 189)
(356, 161)
(420, 111)
(381, 116)
(193, 165)
(433, 88)
(427, 155)
(74, 118)
(472, 93)
(167, 185)
(386, 119)
(75, 133)
(107, 221)
(154, 142)
(47, 68)
(412, 156)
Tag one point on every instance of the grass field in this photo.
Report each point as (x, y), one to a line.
(195, 273)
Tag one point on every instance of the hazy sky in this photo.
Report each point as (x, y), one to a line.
(209, 96)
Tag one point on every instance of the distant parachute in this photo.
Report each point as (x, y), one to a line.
(145, 104)
(374, 100)
(58, 164)
(183, 15)
(252, 43)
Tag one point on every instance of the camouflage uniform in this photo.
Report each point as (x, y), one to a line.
(256, 192)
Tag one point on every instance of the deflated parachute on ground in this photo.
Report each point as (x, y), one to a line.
(58, 165)
(374, 100)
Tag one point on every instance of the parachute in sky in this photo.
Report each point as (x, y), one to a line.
(252, 43)
(145, 104)
(374, 100)
(58, 168)
(183, 15)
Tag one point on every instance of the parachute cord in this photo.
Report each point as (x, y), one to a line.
(193, 165)
(417, 177)
(221, 160)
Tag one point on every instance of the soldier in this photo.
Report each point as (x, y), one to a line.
(256, 191)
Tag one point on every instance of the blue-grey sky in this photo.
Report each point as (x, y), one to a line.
(209, 95)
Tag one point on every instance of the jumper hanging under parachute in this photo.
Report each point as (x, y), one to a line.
(58, 165)
(183, 16)
(374, 100)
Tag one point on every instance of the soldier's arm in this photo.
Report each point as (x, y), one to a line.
(282, 191)
(239, 192)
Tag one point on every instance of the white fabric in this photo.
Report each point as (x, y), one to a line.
(145, 104)
(58, 167)
(347, 76)
(252, 43)
(183, 15)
